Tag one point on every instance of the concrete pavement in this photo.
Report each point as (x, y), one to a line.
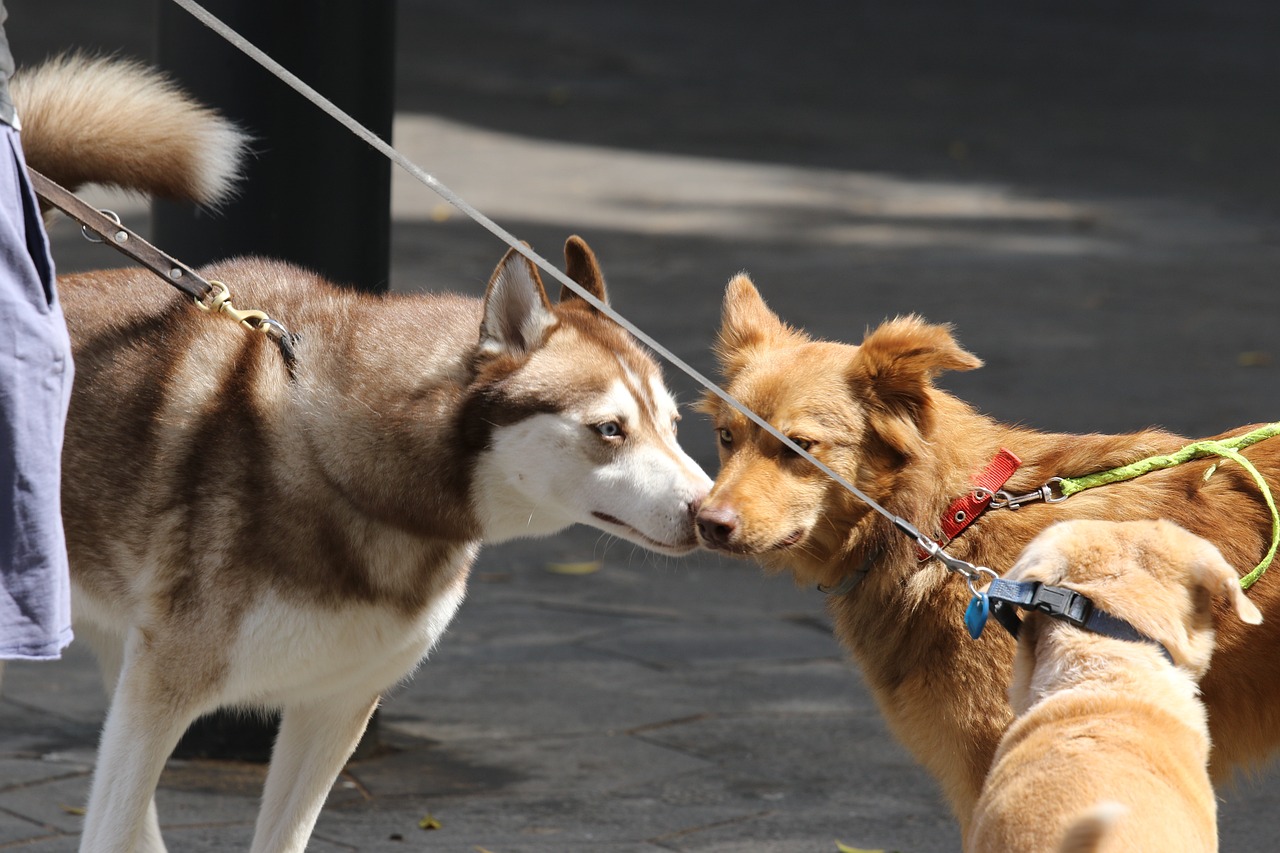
(1089, 194)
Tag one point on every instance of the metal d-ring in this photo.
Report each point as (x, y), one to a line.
(977, 572)
(110, 214)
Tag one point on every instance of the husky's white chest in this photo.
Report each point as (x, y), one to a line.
(286, 652)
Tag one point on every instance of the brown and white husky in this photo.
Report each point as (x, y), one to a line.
(243, 537)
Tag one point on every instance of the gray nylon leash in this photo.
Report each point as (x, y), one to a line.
(372, 139)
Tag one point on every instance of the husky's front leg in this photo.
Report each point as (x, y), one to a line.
(315, 740)
(146, 719)
(108, 646)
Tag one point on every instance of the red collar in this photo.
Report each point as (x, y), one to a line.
(964, 510)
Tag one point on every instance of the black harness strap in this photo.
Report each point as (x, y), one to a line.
(1060, 603)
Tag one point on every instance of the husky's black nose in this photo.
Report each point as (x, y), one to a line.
(716, 526)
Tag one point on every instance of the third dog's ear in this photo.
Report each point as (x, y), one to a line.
(1216, 576)
(748, 326)
(580, 264)
(517, 314)
(1043, 559)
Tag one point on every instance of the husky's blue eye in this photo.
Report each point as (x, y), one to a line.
(610, 429)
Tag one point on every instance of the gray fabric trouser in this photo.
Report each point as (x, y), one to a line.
(35, 388)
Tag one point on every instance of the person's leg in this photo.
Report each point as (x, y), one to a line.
(35, 387)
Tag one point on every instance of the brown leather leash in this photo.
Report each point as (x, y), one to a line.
(208, 295)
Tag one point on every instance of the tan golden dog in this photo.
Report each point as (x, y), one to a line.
(872, 413)
(1111, 744)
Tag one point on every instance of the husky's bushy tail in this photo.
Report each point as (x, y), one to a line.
(121, 123)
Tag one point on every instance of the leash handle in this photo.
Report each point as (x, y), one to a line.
(121, 238)
(212, 296)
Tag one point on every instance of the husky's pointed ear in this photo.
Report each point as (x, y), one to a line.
(580, 264)
(517, 313)
(895, 367)
(747, 326)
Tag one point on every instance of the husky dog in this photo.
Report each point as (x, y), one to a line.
(243, 536)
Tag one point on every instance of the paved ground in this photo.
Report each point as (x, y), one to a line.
(1089, 193)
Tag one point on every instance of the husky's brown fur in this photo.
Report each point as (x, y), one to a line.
(243, 534)
(873, 414)
(1110, 748)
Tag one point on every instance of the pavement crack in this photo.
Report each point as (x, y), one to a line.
(664, 839)
(678, 721)
(45, 780)
(658, 613)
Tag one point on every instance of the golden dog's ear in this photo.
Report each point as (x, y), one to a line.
(748, 326)
(580, 264)
(905, 354)
(895, 367)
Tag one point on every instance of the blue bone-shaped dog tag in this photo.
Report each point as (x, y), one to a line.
(975, 616)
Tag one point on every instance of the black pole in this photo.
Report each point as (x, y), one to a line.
(312, 193)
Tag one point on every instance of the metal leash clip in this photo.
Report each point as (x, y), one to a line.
(967, 570)
(220, 303)
(1050, 492)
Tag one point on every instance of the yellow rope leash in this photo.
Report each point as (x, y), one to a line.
(1228, 448)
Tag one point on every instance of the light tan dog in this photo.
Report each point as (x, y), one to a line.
(872, 413)
(1110, 748)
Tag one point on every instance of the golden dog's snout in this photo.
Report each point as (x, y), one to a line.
(716, 525)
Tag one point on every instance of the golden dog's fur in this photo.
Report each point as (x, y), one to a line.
(1110, 747)
(872, 413)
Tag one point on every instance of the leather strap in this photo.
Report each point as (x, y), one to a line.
(964, 510)
(166, 266)
(121, 238)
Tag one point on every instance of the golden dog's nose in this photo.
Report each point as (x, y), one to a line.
(716, 526)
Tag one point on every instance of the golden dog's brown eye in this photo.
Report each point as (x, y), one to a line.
(726, 437)
(805, 444)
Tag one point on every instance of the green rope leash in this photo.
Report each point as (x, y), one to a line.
(1228, 448)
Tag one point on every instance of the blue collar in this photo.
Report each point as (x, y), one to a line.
(1060, 603)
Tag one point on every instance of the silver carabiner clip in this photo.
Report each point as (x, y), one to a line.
(1050, 492)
